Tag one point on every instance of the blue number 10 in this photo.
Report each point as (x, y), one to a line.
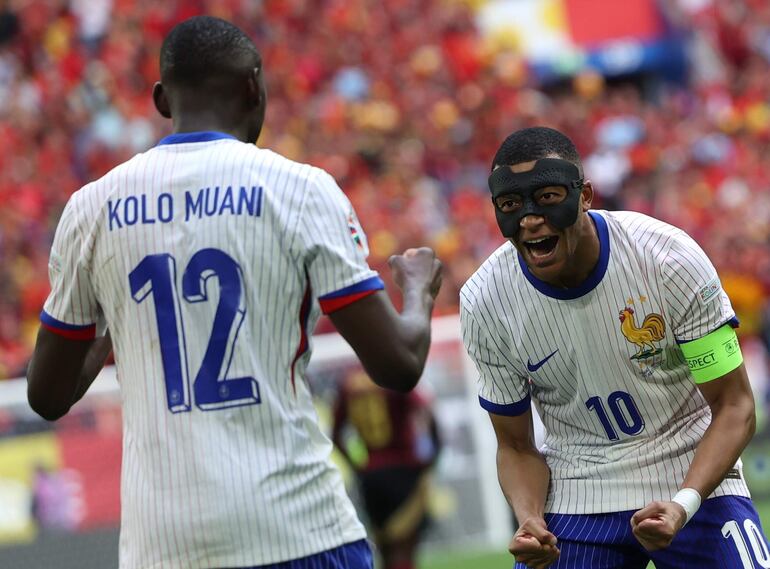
(212, 388)
(629, 420)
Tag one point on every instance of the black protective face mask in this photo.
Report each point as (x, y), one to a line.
(547, 172)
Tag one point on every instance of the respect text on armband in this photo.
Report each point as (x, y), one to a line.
(163, 208)
(702, 361)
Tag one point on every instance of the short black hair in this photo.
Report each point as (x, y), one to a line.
(535, 143)
(202, 47)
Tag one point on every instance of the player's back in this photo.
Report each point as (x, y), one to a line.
(199, 252)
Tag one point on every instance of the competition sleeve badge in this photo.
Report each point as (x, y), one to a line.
(55, 262)
(644, 336)
(355, 232)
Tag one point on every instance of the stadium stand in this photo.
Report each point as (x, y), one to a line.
(404, 102)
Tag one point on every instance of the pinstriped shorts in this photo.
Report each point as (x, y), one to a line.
(356, 555)
(725, 533)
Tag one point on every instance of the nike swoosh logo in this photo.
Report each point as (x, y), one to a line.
(538, 365)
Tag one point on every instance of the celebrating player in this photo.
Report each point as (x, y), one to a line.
(209, 261)
(398, 436)
(616, 326)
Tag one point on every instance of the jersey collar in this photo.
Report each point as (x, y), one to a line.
(199, 136)
(594, 278)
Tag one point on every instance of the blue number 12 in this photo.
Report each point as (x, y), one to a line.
(212, 388)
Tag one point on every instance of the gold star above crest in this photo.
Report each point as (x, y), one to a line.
(642, 298)
(629, 301)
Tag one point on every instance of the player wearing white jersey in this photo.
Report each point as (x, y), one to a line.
(224, 463)
(616, 327)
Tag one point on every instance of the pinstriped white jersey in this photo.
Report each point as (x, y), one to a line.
(602, 363)
(209, 261)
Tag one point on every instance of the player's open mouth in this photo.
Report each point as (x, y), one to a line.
(542, 248)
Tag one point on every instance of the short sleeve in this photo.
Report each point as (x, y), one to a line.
(502, 389)
(697, 303)
(335, 247)
(71, 309)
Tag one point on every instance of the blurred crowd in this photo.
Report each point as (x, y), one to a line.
(404, 102)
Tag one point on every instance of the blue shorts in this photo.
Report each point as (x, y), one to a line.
(724, 533)
(356, 555)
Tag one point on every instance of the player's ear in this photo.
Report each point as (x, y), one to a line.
(160, 100)
(587, 195)
(257, 91)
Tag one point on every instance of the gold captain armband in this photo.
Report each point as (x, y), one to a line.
(714, 355)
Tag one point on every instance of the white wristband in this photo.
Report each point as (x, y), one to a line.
(690, 500)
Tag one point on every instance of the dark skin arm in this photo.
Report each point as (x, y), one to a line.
(61, 371)
(393, 347)
(524, 478)
(733, 422)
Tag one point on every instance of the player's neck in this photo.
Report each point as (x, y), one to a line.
(583, 260)
(586, 255)
(210, 122)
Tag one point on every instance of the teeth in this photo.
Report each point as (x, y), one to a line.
(534, 241)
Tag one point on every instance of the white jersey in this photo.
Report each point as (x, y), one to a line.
(209, 260)
(601, 362)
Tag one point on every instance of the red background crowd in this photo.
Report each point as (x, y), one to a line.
(404, 102)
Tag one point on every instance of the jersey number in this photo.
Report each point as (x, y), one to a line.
(624, 410)
(732, 530)
(212, 388)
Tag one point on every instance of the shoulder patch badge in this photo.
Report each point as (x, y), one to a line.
(55, 262)
(709, 291)
(355, 233)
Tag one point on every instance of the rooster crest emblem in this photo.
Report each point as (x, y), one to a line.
(653, 329)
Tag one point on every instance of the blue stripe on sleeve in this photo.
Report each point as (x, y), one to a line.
(733, 323)
(508, 409)
(49, 320)
(372, 283)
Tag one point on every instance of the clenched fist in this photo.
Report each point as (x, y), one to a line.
(534, 545)
(417, 268)
(656, 525)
